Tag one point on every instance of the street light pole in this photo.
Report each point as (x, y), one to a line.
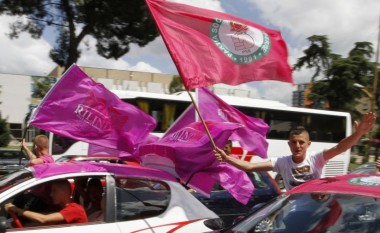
(371, 96)
(375, 73)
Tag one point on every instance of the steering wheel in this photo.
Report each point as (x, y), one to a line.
(16, 221)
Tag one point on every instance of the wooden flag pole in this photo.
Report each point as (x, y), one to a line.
(202, 120)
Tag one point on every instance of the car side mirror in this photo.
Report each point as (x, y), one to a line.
(3, 224)
(214, 224)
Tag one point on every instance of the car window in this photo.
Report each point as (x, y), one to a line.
(257, 179)
(138, 198)
(318, 212)
(39, 199)
(11, 153)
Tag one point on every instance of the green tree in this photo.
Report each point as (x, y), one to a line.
(5, 137)
(338, 83)
(115, 24)
(317, 56)
(176, 85)
(337, 74)
(42, 85)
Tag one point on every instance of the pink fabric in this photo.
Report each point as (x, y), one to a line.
(359, 184)
(252, 136)
(44, 158)
(188, 154)
(47, 158)
(77, 107)
(211, 47)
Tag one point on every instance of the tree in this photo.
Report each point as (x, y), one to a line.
(5, 137)
(42, 85)
(343, 73)
(176, 85)
(115, 24)
(337, 74)
(317, 56)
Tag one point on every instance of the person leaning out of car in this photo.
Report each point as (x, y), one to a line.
(40, 153)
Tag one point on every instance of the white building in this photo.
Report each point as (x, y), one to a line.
(15, 99)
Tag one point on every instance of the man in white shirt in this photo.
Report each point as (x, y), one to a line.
(302, 166)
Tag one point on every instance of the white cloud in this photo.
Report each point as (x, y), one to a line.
(23, 55)
(343, 21)
(211, 5)
(145, 67)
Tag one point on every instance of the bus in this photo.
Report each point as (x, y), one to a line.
(326, 128)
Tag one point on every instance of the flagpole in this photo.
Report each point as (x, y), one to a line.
(27, 117)
(202, 120)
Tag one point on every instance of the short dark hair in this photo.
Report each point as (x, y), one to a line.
(63, 184)
(297, 130)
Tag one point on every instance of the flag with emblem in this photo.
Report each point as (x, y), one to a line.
(77, 107)
(210, 47)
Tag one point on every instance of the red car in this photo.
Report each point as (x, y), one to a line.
(349, 203)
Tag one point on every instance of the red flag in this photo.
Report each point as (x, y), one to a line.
(211, 47)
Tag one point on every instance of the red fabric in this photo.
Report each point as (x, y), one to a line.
(360, 184)
(329, 219)
(211, 47)
(74, 213)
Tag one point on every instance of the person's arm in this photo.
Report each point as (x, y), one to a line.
(34, 216)
(362, 127)
(378, 165)
(28, 152)
(221, 156)
(36, 161)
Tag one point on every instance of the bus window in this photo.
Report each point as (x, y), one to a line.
(165, 112)
(322, 128)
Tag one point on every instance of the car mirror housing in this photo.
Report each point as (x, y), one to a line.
(215, 224)
(3, 224)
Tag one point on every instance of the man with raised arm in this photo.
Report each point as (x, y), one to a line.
(40, 149)
(302, 166)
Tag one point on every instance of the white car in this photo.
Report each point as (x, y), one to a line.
(137, 199)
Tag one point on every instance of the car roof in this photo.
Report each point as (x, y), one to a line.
(51, 169)
(359, 184)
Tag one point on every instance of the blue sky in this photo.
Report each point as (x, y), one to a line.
(343, 21)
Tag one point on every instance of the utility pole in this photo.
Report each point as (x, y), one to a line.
(375, 73)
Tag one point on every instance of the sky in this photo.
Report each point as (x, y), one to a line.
(343, 21)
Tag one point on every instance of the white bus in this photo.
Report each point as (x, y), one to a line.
(326, 128)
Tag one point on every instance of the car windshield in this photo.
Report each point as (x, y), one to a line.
(13, 178)
(315, 212)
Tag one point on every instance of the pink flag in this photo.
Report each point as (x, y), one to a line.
(211, 47)
(77, 107)
(95, 150)
(188, 154)
(252, 136)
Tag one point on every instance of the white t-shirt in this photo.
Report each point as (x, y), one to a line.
(295, 174)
